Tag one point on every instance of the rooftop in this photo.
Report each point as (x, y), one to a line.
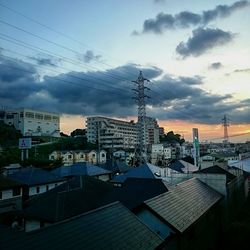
(183, 205)
(34, 176)
(110, 227)
(82, 168)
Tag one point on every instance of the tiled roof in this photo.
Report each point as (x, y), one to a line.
(82, 168)
(109, 227)
(186, 203)
(34, 176)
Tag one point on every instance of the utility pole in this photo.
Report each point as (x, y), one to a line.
(140, 96)
(225, 124)
(99, 144)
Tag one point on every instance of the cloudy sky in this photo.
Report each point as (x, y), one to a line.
(78, 58)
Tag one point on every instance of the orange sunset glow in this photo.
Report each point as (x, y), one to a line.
(210, 132)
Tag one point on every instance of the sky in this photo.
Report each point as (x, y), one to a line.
(79, 57)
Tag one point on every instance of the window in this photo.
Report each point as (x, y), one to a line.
(69, 156)
(103, 155)
(39, 116)
(81, 156)
(47, 187)
(37, 190)
(29, 115)
(1, 195)
(47, 117)
(16, 191)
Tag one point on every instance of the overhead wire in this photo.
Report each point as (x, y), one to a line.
(60, 72)
(49, 53)
(58, 45)
(65, 81)
(58, 32)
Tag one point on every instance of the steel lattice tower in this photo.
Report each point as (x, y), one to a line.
(225, 124)
(140, 99)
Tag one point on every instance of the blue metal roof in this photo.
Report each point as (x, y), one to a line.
(177, 166)
(78, 169)
(33, 176)
(142, 171)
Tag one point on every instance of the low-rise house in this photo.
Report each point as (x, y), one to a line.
(35, 180)
(10, 195)
(123, 155)
(109, 227)
(115, 166)
(83, 168)
(70, 157)
(186, 217)
(182, 166)
(145, 171)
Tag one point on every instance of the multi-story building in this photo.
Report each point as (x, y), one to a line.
(118, 134)
(112, 133)
(161, 131)
(152, 131)
(32, 122)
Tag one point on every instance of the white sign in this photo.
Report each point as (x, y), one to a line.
(25, 143)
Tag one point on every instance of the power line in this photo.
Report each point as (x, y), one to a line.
(56, 44)
(66, 81)
(55, 31)
(60, 72)
(47, 52)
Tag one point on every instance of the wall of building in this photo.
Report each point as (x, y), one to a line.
(34, 123)
(38, 189)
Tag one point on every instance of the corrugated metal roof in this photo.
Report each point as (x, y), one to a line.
(184, 204)
(109, 227)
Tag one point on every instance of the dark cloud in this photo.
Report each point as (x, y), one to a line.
(216, 65)
(89, 56)
(159, 1)
(159, 24)
(222, 11)
(186, 19)
(92, 93)
(242, 70)
(203, 40)
(45, 61)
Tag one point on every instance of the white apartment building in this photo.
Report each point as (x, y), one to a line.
(32, 122)
(112, 133)
(118, 134)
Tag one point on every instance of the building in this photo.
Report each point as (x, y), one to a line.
(118, 134)
(152, 131)
(186, 217)
(32, 122)
(112, 133)
(82, 168)
(10, 195)
(109, 227)
(70, 157)
(161, 131)
(35, 181)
